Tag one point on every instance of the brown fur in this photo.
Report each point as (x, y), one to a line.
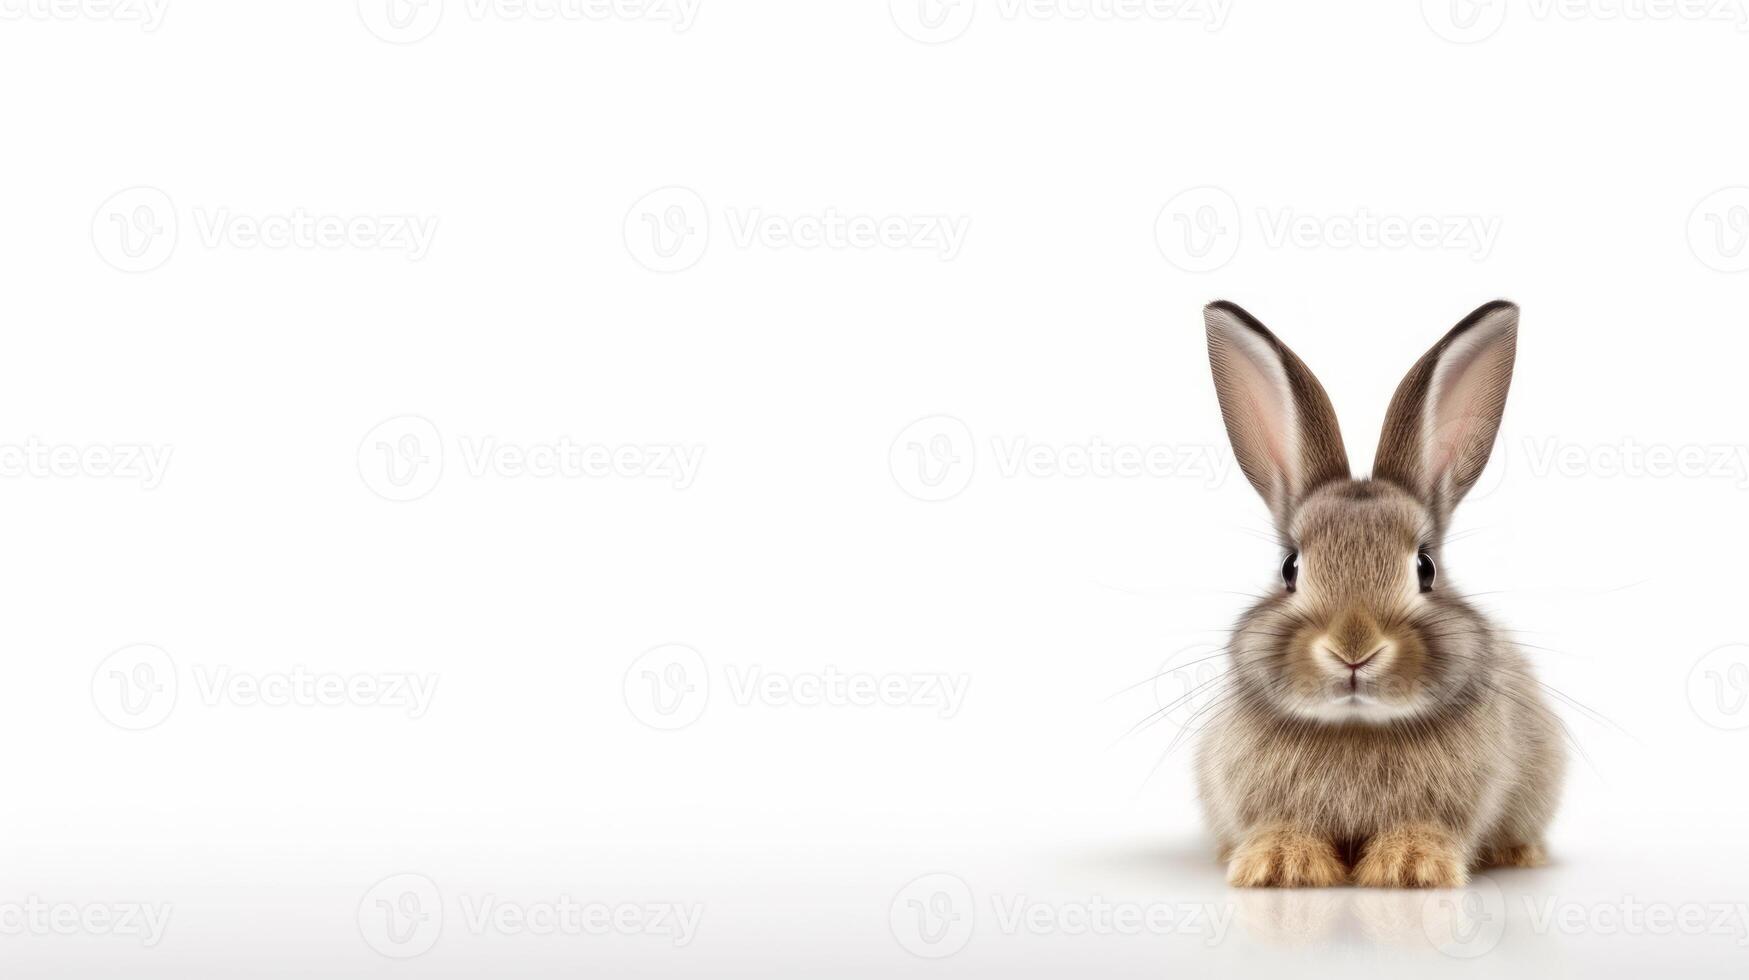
(1369, 723)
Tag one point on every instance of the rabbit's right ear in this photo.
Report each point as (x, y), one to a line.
(1440, 428)
(1279, 419)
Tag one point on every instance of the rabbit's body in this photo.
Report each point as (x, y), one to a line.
(1376, 728)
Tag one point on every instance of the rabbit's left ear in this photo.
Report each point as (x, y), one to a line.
(1440, 428)
(1282, 426)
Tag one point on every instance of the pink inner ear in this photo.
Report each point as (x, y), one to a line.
(1466, 402)
(1268, 413)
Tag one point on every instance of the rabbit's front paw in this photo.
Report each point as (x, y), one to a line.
(1413, 856)
(1285, 857)
(1512, 856)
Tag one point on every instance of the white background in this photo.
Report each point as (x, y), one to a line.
(589, 280)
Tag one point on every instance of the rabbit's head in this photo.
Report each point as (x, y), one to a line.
(1360, 626)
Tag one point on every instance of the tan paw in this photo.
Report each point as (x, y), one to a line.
(1283, 857)
(1512, 856)
(1416, 856)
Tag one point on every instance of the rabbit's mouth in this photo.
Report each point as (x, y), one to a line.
(1382, 684)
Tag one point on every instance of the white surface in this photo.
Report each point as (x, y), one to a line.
(858, 510)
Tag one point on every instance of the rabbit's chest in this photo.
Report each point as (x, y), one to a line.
(1362, 782)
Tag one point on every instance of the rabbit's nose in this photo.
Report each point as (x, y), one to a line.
(1354, 639)
(1352, 662)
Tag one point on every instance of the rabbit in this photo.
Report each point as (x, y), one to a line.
(1379, 730)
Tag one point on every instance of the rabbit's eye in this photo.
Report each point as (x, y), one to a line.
(1290, 570)
(1424, 568)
